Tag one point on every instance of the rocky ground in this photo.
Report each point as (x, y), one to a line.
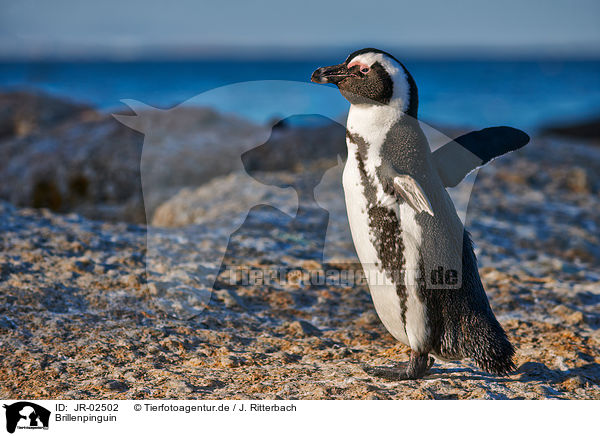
(99, 310)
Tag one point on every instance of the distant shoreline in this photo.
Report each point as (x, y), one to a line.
(525, 94)
(221, 52)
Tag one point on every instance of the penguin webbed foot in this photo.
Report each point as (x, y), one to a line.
(391, 373)
(415, 368)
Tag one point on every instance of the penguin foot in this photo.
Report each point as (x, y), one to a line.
(415, 368)
(392, 373)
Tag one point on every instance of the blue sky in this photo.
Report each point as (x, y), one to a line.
(127, 28)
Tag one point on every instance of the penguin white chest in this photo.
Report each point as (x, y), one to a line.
(383, 290)
(402, 313)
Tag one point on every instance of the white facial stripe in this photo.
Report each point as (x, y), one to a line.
(400, 95)
(368, 58)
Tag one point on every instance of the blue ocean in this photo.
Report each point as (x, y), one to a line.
(525, 94)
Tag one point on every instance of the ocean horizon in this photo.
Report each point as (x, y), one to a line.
(527, 94)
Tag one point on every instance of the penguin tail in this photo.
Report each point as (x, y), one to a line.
(490, 347)
(482, 337)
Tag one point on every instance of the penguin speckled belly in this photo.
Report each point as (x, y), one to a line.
(417, 257)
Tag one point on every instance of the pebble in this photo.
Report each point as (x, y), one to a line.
(304, 328)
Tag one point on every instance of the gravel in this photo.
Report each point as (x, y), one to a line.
(98, 310)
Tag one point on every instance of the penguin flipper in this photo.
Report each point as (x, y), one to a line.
(411, 192)
(459, 157)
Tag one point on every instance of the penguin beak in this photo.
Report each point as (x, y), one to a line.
(333, 74)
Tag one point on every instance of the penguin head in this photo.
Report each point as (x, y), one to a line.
(371, 76)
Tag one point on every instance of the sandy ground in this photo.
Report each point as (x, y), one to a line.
(83, 315)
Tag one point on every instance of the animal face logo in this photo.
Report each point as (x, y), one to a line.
(26, 415)
(209, 178)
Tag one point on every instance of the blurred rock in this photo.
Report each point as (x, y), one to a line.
(589, 129)
(90, 167)
(298, 143)
(188, 147)
(73, 159)
(23, 113)
(227, 198)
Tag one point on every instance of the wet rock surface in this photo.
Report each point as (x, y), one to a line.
(96, 310)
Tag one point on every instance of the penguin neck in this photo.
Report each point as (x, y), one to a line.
(369, 119)
(368, 129)
(371, 123)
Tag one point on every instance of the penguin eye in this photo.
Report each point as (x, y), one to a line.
(364, 69)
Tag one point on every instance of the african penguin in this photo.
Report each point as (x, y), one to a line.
(417, 257)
